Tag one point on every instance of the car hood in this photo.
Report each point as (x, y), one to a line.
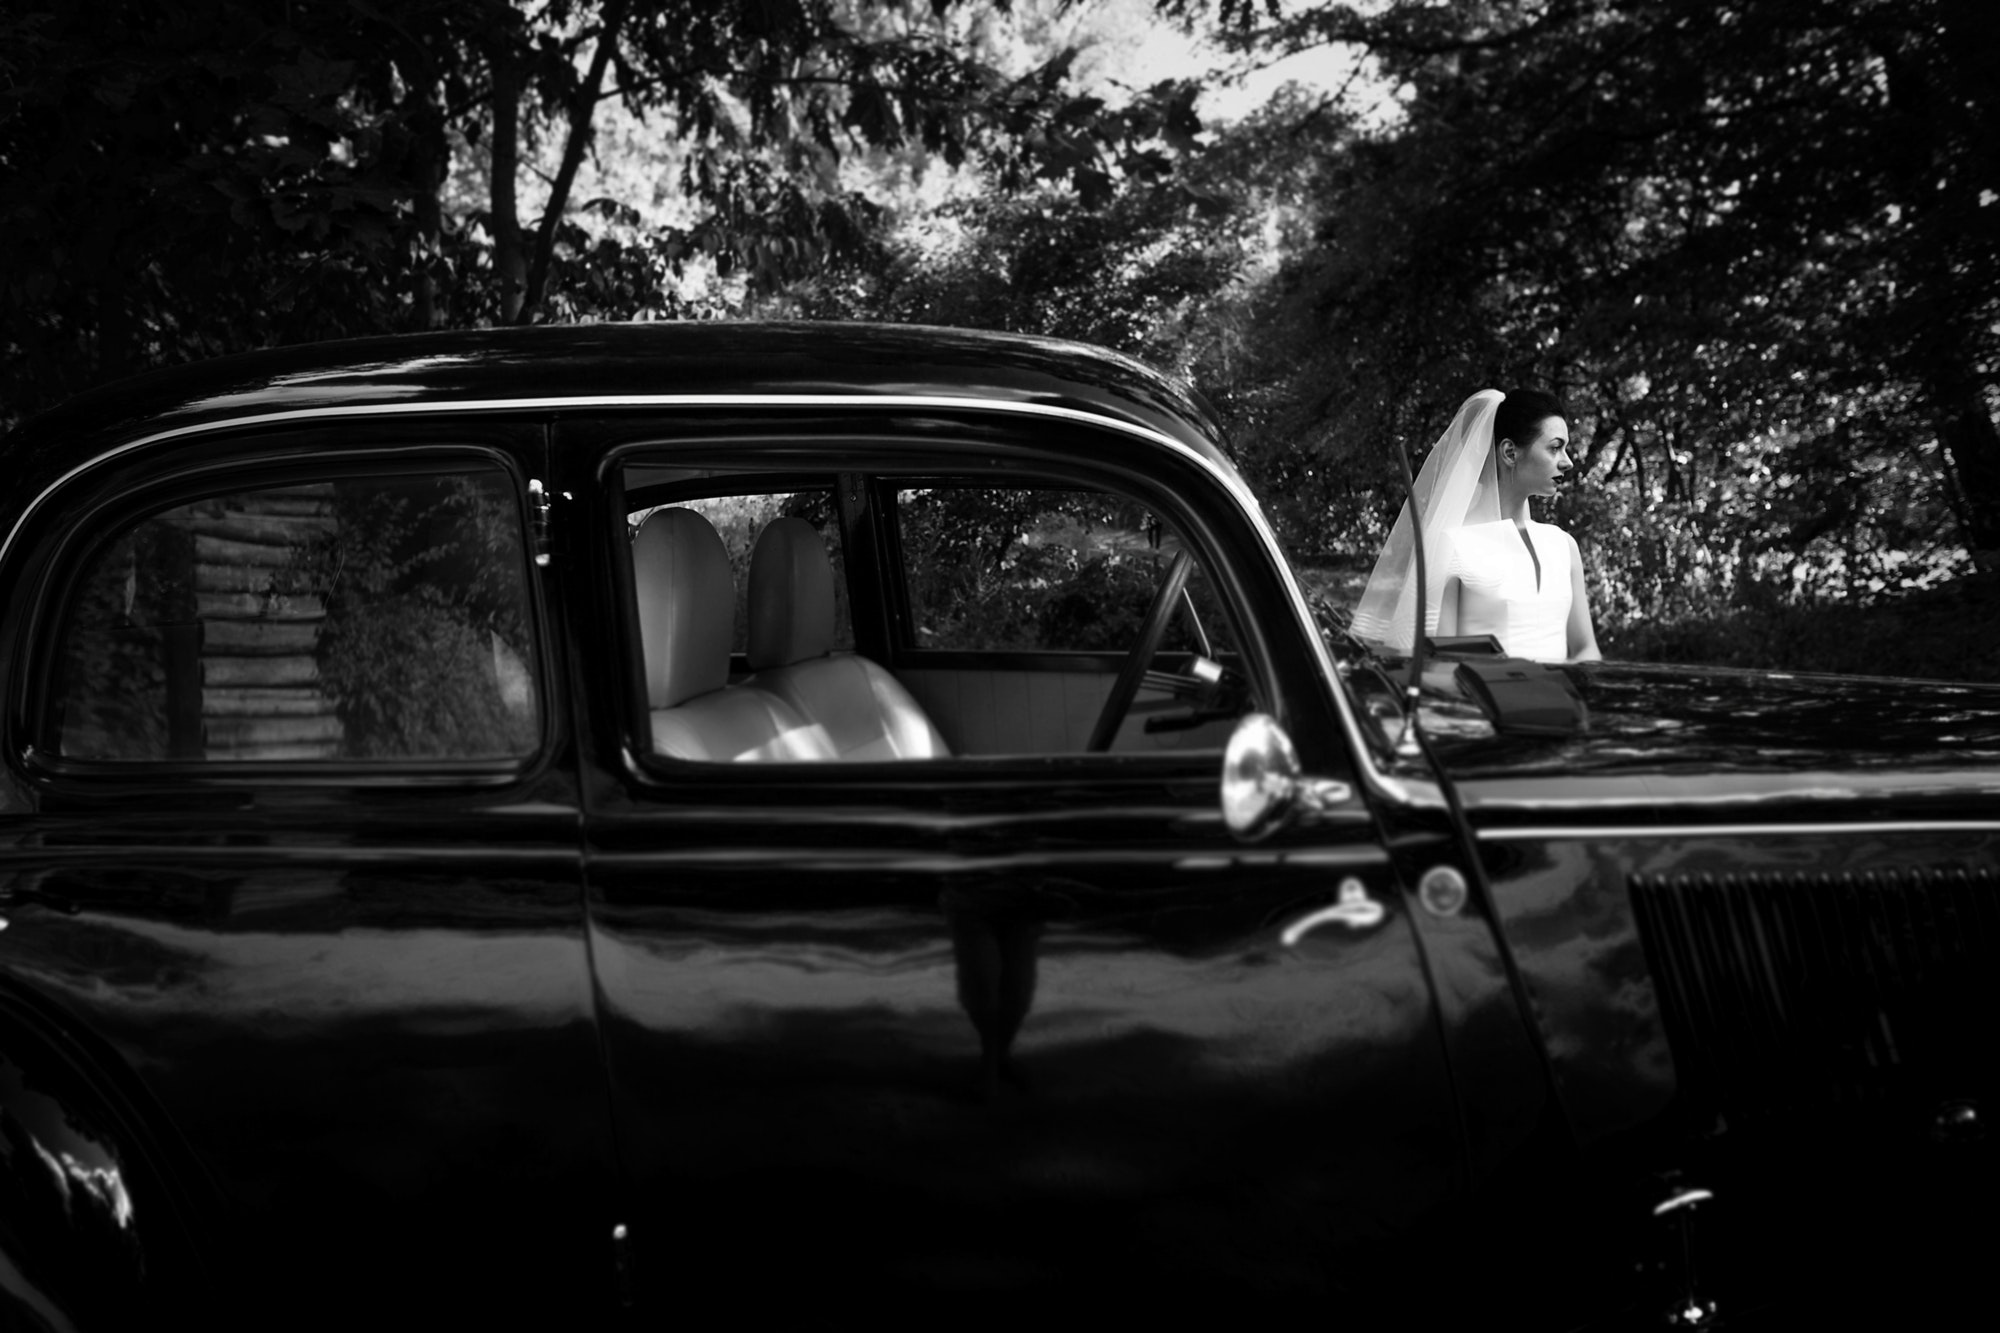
(1714, 721)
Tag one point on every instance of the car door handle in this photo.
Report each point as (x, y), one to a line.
(1355, 910)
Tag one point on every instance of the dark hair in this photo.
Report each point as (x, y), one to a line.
(1521, 411)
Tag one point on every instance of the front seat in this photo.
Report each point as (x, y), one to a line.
(864, 711)
(687, 612)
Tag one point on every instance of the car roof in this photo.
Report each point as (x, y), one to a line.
(553, 366)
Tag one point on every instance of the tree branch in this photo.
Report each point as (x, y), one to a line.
(582, 110)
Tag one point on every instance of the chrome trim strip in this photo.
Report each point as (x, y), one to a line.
(1684, 1199)
(1656, 831)
(1354, 856)
(1232, 482)
(150, 855)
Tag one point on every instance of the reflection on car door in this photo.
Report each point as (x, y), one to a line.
(1007, 1036)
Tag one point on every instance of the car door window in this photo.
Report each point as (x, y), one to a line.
(361, 618)
(1026, 603)
(1026, 570)
(1005, 617)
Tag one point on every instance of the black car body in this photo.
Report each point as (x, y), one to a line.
(391, 935)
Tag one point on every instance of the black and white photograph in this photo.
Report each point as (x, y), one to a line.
(1257, 664)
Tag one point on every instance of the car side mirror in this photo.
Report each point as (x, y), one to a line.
(1260, 778)
(1262, 787)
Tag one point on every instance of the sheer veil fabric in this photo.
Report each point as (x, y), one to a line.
(1456, 486)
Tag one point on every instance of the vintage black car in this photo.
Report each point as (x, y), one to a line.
(711, 821)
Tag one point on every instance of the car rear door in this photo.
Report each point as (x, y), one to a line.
(1018, 1024)
(296, 858)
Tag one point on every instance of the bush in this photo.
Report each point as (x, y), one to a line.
(422, 582)
(1948, 633)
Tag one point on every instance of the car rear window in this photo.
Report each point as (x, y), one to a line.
(368, 618)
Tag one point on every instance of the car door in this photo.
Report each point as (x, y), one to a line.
(296, 856)
(1016, 1022)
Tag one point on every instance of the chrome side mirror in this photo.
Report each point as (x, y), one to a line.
(1260, 777)
(1262, 787)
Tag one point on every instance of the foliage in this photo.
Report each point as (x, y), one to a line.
(132, 598)
(1753, 241)
(422, 583)
(1042, 261)
(178, 182)
(1748, 240)
(998, 569)
(175, 183)
(1951, 633)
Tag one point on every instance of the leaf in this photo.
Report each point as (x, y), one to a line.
(1093, 186)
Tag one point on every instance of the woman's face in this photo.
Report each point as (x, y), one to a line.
(1543, 458)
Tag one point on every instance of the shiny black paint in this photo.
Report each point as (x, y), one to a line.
(1689, 770)
(1568, 914)
(1727, 779)
(1663, 722)
(367, 1013)
(802, 1019)
(1500, 1075)
(94, 1227)
(1838, 1174)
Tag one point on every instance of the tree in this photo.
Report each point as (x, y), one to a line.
(180, 181)
(169, 184)
(1755, 242)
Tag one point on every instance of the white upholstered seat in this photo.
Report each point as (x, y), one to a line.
(687, 609)
(864, 711)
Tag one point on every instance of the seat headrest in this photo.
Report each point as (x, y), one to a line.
(687, 605)
(791, 595)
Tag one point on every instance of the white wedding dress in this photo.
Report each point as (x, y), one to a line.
(1498, 591)
(1452, 521)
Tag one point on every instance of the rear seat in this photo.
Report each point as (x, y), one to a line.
(863, 711)
(687, 609)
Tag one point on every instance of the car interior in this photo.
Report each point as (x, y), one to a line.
(980, 620)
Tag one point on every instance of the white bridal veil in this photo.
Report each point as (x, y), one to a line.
(1456, 486)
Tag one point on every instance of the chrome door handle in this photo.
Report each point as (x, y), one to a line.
(1355, 910)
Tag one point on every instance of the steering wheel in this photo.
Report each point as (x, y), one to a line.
(1151, 631)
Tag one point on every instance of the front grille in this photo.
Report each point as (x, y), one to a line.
(1783, 992)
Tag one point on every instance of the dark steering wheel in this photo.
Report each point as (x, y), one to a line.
(1126, 688)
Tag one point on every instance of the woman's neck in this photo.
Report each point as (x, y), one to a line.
(1513, 504)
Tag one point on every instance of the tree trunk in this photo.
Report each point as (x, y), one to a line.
(1972, 451)
(430, 161)
(509, 263)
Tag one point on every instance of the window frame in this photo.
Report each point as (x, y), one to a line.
(882, 453)
(303, 456)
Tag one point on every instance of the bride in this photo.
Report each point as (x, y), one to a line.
(1489, 567)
